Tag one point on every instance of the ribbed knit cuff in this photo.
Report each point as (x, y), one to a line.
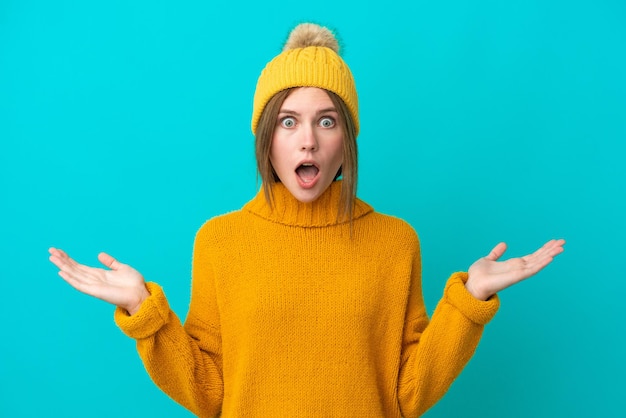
(477, 311)
(151, 316)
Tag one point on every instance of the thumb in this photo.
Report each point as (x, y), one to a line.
(497, 252)
(109, 261)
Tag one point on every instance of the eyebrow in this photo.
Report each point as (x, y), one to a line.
(293, 112)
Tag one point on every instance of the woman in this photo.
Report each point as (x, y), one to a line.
(306, 302)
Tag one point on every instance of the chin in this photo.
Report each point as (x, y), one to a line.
(305, 195)
(308, 195)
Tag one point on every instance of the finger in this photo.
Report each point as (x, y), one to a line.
(70, 270)
(538, 260)
(65, 259)
(555, 243)
(61, 260)
(68, 278)
(497, 252)
(109, 261)
(548, 251)
(57, 253)
(56, 261)
(54, 256)
(555, 246)
(76, 279)
(79, 283)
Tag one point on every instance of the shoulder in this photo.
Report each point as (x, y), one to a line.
(390, 230)
(220, 225)
(394, 222)
(387, 221)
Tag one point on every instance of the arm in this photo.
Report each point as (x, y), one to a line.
(433, 354)
(184, 362)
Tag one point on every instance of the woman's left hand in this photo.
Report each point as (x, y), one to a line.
(488, 276)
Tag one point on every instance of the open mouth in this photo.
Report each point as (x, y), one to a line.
(307, 172)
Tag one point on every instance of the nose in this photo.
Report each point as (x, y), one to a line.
(308, 139)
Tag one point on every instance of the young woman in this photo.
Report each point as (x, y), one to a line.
(306, 302)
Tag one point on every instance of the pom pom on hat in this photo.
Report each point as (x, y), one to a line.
(310, 34)
(309, 59)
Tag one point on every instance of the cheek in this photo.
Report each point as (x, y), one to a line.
(338, 151)
(271, 155)
(278, 155)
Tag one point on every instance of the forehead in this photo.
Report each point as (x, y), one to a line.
(307, 98)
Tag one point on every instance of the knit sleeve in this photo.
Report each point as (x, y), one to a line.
(434, 352)
(185, 362)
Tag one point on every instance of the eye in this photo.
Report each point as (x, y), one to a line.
(327, 122)
(288, 122)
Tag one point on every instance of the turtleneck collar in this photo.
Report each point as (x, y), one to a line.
(288, 210)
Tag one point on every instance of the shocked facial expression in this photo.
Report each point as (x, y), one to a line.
(307, 146)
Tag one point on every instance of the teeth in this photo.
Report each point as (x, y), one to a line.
(307, 165)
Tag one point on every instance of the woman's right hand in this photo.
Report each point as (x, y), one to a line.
(122, 285)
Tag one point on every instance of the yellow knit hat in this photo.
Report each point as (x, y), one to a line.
(309, 59)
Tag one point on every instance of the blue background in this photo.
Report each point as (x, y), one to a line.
(125, 125)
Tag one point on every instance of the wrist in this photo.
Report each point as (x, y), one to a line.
(475, 290)
(134, 307)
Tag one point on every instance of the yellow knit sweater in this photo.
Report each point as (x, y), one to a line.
(290, 316)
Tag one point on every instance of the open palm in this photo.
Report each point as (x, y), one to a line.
(487, 276)
(122, 285)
